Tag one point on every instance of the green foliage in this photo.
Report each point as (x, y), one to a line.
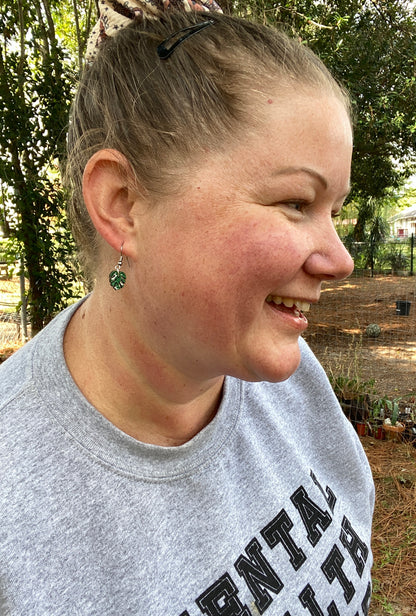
(404, 200)
(385, 255)
(393, 407)
(36, 87)
(377, 233)
(383, 407)
(73, 22)
(350, 388)
(396, 258)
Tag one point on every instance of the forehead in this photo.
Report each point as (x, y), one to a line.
(292, 110)
(289, 128)
(295, 129)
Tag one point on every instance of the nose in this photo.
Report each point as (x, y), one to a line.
(329, 259)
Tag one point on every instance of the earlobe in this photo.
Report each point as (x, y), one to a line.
(109, 198)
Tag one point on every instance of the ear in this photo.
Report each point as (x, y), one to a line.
(108, 197)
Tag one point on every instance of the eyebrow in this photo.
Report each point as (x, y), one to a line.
(308, 170)
(311, 172)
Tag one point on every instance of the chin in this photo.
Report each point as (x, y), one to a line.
(274, 368)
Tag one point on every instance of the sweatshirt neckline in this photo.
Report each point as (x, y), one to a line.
(107, 444)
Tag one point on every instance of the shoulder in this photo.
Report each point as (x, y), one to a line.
(29, 390)
(304, 415)
(28, 370)
(16, 375)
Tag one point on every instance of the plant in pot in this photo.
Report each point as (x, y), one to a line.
(351, 389)
(392, 427)
(353, 396)
(377, 415)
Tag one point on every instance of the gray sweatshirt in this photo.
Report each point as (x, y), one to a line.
(266, 511)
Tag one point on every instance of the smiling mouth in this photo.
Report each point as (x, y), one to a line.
(295, 306)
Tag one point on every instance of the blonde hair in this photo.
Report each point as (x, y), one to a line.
(161, 114)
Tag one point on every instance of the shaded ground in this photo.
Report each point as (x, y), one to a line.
(338, 324)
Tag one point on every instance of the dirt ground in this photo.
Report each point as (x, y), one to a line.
(337, 332)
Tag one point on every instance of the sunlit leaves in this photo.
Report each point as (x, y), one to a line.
(35, 92)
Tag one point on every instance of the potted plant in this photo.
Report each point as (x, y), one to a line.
(392, 427)
(353, 396)
(377, 414)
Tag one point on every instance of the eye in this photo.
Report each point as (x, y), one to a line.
(297, 205)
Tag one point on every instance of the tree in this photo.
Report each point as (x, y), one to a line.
(36, 80)
(369, 46)
(74, 20)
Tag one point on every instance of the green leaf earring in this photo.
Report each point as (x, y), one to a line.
(118, 279)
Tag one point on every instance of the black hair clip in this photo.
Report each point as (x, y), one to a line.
(164, 51)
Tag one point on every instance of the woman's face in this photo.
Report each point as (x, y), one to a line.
(221, 274)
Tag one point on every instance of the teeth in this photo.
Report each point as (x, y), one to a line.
(304, 306)
(289, 302)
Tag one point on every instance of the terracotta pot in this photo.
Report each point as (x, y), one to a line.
(361, 428)
(393, 433)
(379, 433)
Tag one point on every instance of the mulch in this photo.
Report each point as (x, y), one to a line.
(394, 530)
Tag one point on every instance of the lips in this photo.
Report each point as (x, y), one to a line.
(294, 305)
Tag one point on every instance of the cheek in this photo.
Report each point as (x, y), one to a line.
(205, 269)
(246, 260)
(264, 256)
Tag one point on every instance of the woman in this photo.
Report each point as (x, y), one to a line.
(170, 445)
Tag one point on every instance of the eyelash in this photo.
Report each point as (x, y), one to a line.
(299, 205)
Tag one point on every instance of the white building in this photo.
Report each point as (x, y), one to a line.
(404, 223)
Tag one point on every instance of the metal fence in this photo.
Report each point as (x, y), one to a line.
(14, 326)
(395, 256)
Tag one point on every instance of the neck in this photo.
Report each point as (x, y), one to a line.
(131, 386)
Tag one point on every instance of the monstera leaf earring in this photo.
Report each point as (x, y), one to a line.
(117, 278)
